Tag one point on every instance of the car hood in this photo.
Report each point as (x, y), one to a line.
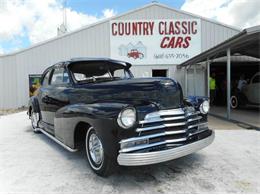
(164, 92)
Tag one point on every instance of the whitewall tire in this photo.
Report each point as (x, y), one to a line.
(233, 102)
(96, 156)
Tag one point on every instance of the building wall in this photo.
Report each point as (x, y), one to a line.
(8, 86)
(196, 81)
(212, 33)
(92, 41)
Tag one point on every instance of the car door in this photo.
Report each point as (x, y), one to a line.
(42, 94)
(57, 93)
(54, 96)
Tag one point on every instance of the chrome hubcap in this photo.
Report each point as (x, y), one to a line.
(95, 149)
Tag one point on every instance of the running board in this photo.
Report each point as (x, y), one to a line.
(56, 140)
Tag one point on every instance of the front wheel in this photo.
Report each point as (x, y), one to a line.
(97, 159)
(234, 102)
(35, 121)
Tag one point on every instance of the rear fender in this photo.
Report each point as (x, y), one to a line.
(33, 105)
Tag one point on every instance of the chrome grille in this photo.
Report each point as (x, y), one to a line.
(165, 128)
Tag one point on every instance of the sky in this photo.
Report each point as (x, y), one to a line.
(27, 22)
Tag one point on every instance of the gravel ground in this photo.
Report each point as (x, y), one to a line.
(32, 163)
(11, 111)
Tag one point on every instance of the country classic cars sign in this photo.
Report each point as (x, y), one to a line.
(155, 41)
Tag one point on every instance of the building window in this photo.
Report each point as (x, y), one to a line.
(160, 73)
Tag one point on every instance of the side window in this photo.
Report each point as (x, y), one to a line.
(59, 76)
(45, 80)
(119, 73)
(256, 79)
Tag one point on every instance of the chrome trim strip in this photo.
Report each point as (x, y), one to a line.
(194, 119)
(178, 111)
(146, 158)
(192, 113)
(160, 126)
(174, 118)
(56, 140)
(196, 125)
(150, 128)
(197, 132)
(140, 147)
(159, 113)
(153, 136)
(151, 120)
(155, 119)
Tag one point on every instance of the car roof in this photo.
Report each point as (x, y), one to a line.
(112, 61)
(85, 59)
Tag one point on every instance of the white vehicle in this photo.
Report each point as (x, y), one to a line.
(252, 90)
(250, 94)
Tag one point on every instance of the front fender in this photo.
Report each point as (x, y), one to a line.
(101, 116)
(195, 101)
(91, 111)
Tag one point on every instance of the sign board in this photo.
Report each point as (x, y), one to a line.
(155, 41)
(34, 83)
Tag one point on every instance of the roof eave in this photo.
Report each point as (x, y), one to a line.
(210, 52)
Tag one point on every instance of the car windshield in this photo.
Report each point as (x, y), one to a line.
(98, 71)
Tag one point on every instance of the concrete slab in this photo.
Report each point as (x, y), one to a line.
(220, 124)
(248, 115)
(32, 163)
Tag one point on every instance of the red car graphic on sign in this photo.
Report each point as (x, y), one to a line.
(134, 53)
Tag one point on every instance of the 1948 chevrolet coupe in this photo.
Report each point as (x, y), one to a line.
(120, 120)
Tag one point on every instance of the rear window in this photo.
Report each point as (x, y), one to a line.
(98, 71)
(59, 76)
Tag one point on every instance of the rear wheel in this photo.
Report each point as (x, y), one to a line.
(96, 156)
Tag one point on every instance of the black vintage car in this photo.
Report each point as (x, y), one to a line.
(120, 120)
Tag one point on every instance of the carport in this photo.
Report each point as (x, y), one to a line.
(239, 52)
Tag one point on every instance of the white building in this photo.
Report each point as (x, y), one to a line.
(168, 37)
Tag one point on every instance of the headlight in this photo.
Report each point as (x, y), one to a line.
(127, 118)
(204, 107)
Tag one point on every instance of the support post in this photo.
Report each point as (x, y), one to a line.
(228, 82)
(208, 75)
(195, 79)
(186, 81)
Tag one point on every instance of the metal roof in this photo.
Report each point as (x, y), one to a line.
(114, 18)
(237, 58)
(247, 43)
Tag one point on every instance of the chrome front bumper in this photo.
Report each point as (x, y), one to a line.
(137, 159)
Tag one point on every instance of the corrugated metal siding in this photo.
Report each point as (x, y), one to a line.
(9, 82)
(154, 12)
(1, 84)
(213, 34)
(93, 41)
